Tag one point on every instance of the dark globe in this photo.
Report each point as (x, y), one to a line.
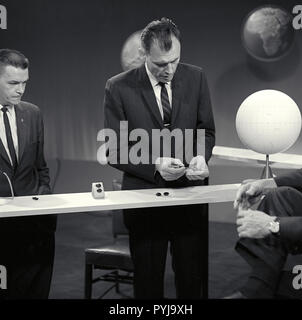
(267, 33)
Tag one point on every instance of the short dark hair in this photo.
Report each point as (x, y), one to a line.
(10, 57)
(160, 30)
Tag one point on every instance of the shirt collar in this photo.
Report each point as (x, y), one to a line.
(10, 108)
(153, 80)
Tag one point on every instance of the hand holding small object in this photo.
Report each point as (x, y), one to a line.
(198, 169)
(170, 168)
(251, 191)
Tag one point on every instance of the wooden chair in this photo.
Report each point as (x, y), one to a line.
(112, 261)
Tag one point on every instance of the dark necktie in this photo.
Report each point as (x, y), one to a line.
(165, 104)
(9, 138)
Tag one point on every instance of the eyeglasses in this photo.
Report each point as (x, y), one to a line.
(159, 194)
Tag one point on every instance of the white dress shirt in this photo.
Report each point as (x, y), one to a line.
(13, 127)
(157, 90)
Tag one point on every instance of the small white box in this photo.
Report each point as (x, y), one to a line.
(98, 191)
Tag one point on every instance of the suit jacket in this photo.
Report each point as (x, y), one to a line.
(31, 176)
(291, 227)
(129, 96)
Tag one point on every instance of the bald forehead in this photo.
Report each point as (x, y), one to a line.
(157, 44)
(161, 56)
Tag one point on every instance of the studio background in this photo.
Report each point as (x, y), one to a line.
(74, 46)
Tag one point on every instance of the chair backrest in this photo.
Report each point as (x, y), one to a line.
(118, 226)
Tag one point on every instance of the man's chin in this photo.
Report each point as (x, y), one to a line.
(15, 101)
(166, 79)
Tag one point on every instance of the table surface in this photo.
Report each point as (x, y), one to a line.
(114, 200)
(246, 155)
(126, 199)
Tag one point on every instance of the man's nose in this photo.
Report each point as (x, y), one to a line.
(169, 68)
(20, 88)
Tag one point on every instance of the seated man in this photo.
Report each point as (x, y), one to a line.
(268, 234)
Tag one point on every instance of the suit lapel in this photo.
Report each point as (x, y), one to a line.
(22, 129)
(176, 95)
(149, 96)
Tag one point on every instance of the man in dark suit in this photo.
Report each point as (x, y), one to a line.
(163, 94)
(27, 243)
(270, 233)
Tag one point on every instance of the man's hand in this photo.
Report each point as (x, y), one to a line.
(253, 224)
(251, 191)
(170, 168)
(198, 169)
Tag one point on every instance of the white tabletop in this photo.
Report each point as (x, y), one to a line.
(126, 199)
(237, 154)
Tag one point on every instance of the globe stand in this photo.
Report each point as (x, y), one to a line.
(267, 171)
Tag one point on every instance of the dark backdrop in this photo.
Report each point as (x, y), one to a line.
(74, 47)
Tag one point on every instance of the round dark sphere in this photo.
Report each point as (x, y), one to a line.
(267, 33)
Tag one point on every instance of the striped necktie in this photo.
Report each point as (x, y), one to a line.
(9, 138)
(165, 104)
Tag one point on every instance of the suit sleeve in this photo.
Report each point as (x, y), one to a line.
(114, 114)
(41, 166)
(205, 118)
(291, 232)
(291, 227)
(291, 179)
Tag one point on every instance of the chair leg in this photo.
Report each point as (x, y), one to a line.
(205, 258)
(117, 284)
(88, 281)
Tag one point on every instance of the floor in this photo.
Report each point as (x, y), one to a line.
(76, 232)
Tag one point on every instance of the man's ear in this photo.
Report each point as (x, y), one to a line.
(141, 52)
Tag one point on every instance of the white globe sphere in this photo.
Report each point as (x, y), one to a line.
(268, 121)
